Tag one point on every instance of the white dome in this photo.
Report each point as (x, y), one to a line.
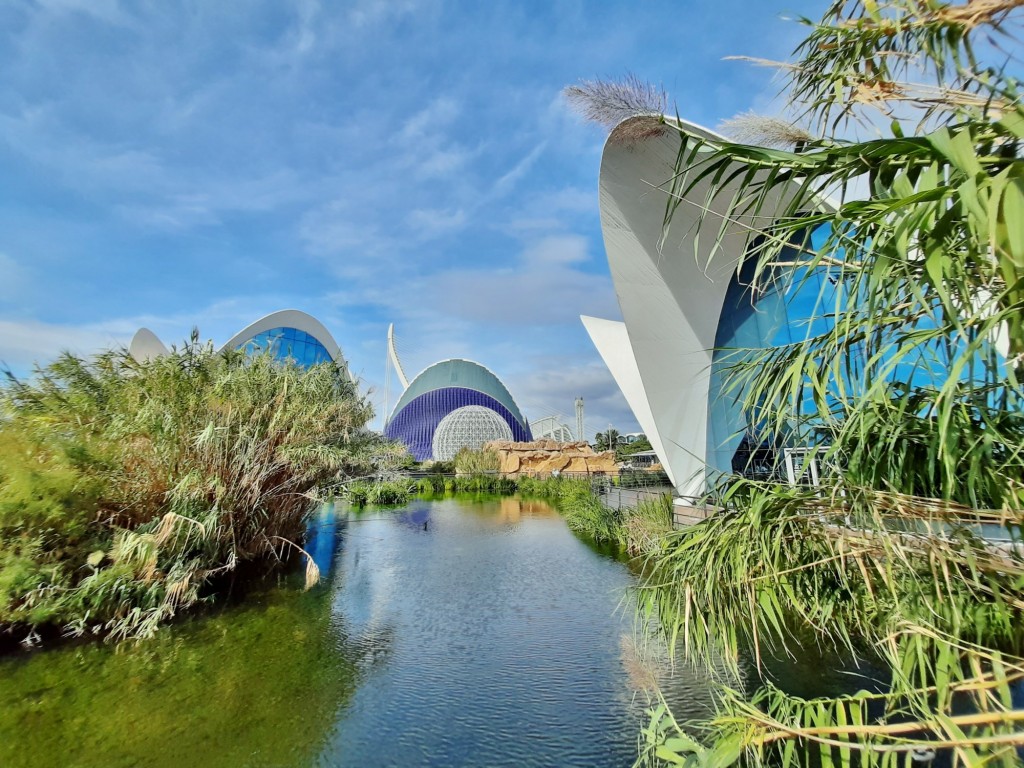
(468, 427)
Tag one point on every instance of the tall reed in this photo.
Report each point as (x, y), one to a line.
(126, 487)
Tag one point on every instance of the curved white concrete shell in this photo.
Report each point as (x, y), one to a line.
(145, 346)
(671, 285)
(612, 341)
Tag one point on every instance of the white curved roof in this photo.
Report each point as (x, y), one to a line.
(670, 285)
(612, 342)
(289, 318)
(145, 346)
(552, 427)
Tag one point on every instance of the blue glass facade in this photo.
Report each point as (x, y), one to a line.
(415, 423)
(288, 344)
(783, 312)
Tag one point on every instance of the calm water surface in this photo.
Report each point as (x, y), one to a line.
(449, 633)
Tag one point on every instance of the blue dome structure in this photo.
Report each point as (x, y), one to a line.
(441, 390)
(289, 335)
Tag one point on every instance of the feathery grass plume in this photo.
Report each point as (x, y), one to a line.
(610, 102)
(765, 131)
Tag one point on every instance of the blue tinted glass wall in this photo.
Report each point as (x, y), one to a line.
(782, 311)
(288, 344)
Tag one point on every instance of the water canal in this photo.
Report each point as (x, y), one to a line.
(454, 632)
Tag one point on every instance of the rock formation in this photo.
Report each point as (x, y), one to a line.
(542, 457)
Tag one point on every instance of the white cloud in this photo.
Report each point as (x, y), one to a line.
(556, 250)
(363, 13)
(508, 181)
(555, 383)
(25, 343)
(433, 222)
(107, 11)
(411, 159)
(436, 116)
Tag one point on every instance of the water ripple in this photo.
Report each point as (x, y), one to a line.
(504, 642)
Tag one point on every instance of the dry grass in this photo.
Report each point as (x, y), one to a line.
(612, 102)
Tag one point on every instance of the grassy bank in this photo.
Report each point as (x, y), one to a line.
(127, 488)
(636, 530)
(390, 492)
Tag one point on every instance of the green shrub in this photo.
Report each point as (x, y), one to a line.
(583, 511)
(380, 492)
(125, 486)
(470, 461)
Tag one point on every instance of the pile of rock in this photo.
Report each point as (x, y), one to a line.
(542, 457)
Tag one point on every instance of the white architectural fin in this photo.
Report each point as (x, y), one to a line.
(612, 341)
(393, 353)
(145, 346)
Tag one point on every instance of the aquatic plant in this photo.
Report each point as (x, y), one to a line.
(384, 492)
(126, 487)
(910, 382)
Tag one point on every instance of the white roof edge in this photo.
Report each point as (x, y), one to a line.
(695, 129)
(146, 345)
(611, 338)
(670, 290)
(291, 318)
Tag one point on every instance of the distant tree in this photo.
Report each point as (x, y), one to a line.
(607, 440)
(623, 451)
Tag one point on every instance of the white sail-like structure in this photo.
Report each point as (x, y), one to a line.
(671, 284)
(287, 334)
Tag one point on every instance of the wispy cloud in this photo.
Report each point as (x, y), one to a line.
(175, 164)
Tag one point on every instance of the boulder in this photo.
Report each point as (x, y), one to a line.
(546, 456)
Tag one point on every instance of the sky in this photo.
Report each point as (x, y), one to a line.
(201, 164)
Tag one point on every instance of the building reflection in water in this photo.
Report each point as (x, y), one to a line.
(322, 535)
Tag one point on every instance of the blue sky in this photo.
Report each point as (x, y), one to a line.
(173, 165)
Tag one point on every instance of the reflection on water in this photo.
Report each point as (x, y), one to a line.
(450, 632)
(507, 641)
(259, 685)
(322, 535)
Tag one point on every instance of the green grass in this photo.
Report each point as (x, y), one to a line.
(391, 492)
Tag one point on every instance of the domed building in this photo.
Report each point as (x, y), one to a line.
(288, 335)
(451, 405)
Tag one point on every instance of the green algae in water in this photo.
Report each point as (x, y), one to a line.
(254, 685)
